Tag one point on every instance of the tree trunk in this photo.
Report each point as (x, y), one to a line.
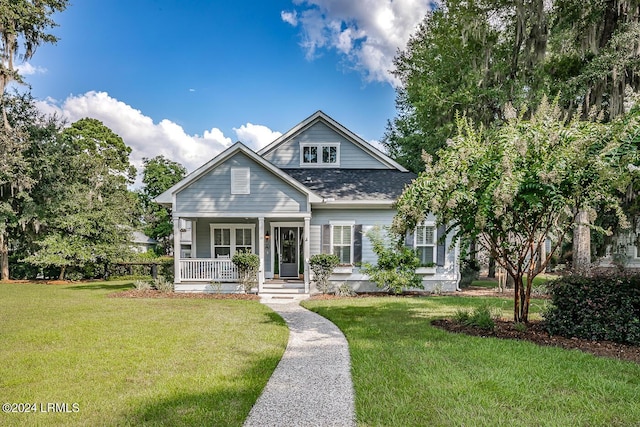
(582, 243)
(62, 270)
(4, 257)
(492, 268)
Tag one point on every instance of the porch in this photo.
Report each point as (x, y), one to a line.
(282, 245)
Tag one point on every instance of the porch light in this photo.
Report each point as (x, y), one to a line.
(266, 236)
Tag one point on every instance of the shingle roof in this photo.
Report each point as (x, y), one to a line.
(353, 184)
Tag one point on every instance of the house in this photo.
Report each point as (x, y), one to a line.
(141, 243)
(319, 188)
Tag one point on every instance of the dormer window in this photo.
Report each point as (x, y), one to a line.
(319, 154)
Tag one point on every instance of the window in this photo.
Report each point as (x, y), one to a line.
(222, 243)
(326, 154)
(229, 239)
(425, 244)
(240, 180)
(341, 243)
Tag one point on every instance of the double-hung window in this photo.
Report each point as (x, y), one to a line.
(425, 244)
(342, 242)
(319, 154)
(229, 239)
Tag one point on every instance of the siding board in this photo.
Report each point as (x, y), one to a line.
(287, 155)
(212, 192)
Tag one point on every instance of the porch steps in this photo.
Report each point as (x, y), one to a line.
(283, 291)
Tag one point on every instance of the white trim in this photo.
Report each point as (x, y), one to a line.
(232, 237)
(349, 224)
(272, 234)
(434, 243)
(243, 214)
(349, 135)
(319, 155)
(240, 180)
(193, 239)
(164, 198)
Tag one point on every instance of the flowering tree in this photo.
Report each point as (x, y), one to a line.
(511, 188)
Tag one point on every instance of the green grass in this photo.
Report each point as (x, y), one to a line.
(133, 361)
(493, 283)
(408, 373)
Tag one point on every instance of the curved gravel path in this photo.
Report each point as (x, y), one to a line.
(311, 386)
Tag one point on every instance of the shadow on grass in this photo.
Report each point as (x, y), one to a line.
(101, 286)
(227, 405)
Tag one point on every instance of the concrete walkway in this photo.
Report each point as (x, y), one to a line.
(311, 385)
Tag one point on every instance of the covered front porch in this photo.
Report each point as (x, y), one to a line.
(281, 243)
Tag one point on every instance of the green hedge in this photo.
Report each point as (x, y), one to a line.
(602, 307)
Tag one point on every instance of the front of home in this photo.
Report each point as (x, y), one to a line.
(319, 188)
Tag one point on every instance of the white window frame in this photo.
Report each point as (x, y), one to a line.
(433, 244)
(343, 224)
(232, 237)
(240, 181)
(320, 147)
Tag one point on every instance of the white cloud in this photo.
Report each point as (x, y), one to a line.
(146, 138)
(26, 69)
(290, 17)
(256, 136)
(368, 32)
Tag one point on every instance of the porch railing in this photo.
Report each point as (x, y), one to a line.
(207, 270)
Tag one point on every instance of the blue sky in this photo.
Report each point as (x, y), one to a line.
(188, 78)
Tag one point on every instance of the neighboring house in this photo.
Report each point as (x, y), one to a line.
(141, 243)
(317, 189)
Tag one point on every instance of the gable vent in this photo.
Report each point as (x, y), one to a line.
(240, 181)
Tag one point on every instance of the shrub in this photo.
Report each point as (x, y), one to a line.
(322, 266)
(469, 271)
(600, 307)
(248, 266)
(142, 285)
(162, 284)
(344, 290)
(480, 317)
(396, 267)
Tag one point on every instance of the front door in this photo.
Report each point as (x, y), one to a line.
(288, 252)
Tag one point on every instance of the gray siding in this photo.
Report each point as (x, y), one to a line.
(212, 192)
(369, 218)
(203, 233)
(287, 155)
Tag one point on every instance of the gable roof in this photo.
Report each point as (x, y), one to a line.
(353, 184)
(166, 198)
(337, 127)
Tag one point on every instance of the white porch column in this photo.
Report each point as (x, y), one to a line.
(306, 250)
(261, 253)
(176, 249)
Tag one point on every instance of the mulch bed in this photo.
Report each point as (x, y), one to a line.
(536, 333)
(133, 293)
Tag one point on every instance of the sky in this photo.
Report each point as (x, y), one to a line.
(188, 78)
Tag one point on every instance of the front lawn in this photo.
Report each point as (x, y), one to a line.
(129, 361)
(407, 372)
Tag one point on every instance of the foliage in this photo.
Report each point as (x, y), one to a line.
(344, 290)
(248, 266)
(475, 59)
(86, 212)
(159, 174)
(116, 356)
(510, 188)
(25, 23)
(162, 284)
(396, 265)
(322, 266)
(480, 317)
(469, 381)
(602, 307)
(142, 285)
(469, 272)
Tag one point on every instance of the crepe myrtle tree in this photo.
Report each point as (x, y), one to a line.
(510, 188)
